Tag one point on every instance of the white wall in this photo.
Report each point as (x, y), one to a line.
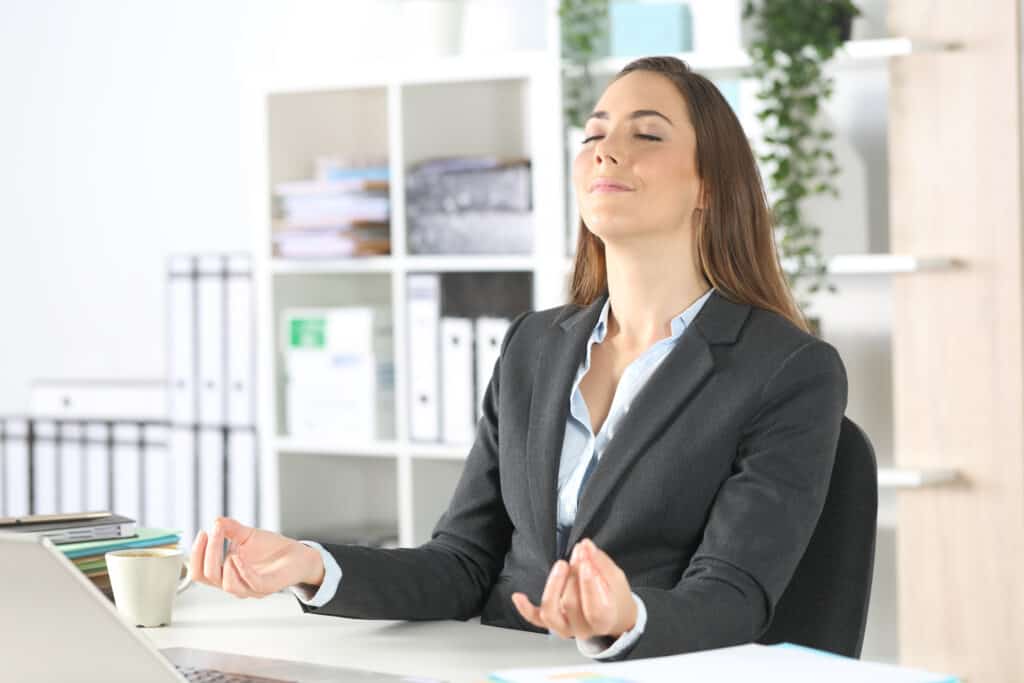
(120, 144)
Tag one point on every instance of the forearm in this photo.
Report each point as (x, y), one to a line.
(430, 582)
(700, 614)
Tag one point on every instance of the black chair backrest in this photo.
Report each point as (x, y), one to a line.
(825, 605)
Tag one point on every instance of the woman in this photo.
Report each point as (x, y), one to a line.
(652, 458)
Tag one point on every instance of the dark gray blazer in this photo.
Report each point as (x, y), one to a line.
(706, 497)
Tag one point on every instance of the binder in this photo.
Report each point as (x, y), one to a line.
(156, 493)
(184, 468)
(240, 343)
(45, 475)
(457, 408)
(66, 400)
(211, 351)
(243, 481)
(72, 467)
(128, 474)
(489, 334)
(3, 468)
(211, 474)
(99, 454)
(181, 326)
(424, 310)
(16, 468)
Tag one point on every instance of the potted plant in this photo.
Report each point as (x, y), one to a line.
(790, 44)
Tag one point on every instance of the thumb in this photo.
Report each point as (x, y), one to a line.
(234, 530)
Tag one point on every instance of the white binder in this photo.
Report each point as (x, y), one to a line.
(489, 334)
(242, 476)
(16, 498)
(457, 396)
(156, 495)
(45, 480)
(240, 343)
(127, 470)
(181, 326)
(184, 466)
(211, 325)
(211, 475)
(424, 305)
(97, 467)
(72, 468)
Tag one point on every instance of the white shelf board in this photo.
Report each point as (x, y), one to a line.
(368, 264)
(439, 451)
(883, 264)
(387, 264)
(853, 53)
(887, 264)
(460, 68)
(483, 262)
(373, 449)
(908, 478)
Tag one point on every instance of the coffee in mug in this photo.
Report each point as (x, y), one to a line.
(145, 582)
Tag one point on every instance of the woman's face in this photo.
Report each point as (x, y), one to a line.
(636, 172)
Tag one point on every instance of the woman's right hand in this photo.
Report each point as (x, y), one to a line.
(258, 562)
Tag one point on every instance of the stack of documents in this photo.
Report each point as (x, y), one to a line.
(784, 663)
(89, 556)
(344, 215)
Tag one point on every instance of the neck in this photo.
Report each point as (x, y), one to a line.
(649, 283)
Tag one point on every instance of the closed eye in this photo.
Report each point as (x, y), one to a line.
(639, 135)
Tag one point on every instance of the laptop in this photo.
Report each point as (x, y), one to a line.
(57, 626)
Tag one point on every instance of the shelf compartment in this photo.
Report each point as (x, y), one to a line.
(338, 499)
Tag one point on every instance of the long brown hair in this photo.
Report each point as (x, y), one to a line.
(733, 236)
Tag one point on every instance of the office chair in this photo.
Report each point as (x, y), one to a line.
(825, 605)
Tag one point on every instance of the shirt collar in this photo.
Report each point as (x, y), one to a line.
(679, 323)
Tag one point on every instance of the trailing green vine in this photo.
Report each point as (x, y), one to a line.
(793, 39)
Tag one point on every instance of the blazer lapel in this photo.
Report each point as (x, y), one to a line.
(557, 362)
(661, 399)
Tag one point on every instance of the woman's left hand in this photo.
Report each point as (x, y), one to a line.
(585, 597)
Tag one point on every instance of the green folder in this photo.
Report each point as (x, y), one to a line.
(143, 538)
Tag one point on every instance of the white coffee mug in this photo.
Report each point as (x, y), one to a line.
(145, 582)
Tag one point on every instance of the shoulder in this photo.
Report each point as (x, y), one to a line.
(784, 348)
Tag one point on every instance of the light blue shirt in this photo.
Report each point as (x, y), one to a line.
(579, 445)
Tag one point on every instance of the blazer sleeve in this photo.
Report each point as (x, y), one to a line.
(450, 576)
(762, 518)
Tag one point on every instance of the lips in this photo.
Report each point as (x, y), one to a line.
(609, 185)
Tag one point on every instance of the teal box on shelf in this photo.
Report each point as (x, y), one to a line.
(641, 27)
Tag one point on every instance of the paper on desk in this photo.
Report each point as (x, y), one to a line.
(766, 664)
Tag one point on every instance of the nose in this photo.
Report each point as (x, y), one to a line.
(603, 153)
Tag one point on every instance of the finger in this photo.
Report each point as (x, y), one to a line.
(235, 531)
(232, 582)
(571, 608)
(529, 611)
(249, 577)
(196, 560)
(596, 604)
(550, 607)
(214, 558)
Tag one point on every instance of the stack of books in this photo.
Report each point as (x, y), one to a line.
(86, 537)
(337, 215)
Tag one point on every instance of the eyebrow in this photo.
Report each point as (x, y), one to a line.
(639, 113)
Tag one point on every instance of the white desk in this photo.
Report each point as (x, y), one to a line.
(461, 652)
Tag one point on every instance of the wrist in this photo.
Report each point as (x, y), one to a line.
(314, 566)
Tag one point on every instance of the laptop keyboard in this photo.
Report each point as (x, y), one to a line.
(194, 675)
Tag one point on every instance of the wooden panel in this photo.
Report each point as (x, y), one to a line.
(955, 155)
